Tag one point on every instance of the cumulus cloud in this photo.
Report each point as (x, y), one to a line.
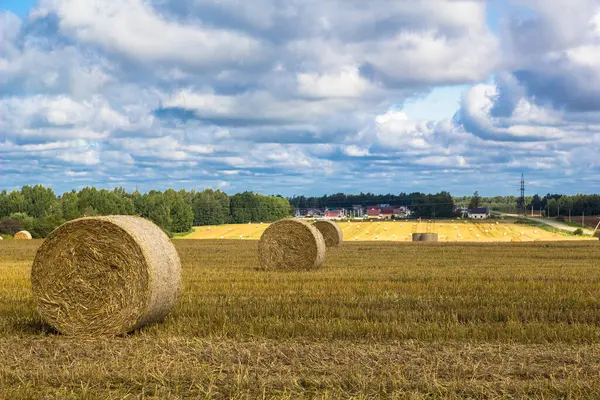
(295, 96)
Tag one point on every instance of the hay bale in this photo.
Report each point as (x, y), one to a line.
(105, 276)
(23, 235)
(332, 234)
(291, 244)
(429, 237)
(416, 237)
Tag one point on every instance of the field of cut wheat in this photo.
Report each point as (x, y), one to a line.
(401, 231)
(377, 320)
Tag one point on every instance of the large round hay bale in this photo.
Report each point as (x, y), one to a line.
(291, 244)
(105, 276)
(23, 235)
(429, 237)
(416, 237)
(332, 234)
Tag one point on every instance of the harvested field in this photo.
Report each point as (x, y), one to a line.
(447, 230)
(458, 320)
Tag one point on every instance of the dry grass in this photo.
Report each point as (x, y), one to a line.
(106, 276)
(401, 231)
(490, 320)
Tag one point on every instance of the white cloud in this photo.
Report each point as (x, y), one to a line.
(89, 157)
(134, 28)
(345, 83)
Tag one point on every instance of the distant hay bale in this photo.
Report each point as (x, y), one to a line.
(332, 234)
(23, 235)
(110, 275)
(416, 237)
(1, 238)
(429, 237)
(291, 244)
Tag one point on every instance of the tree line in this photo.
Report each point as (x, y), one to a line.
(422, 205)
(39, 210)
(551, 205)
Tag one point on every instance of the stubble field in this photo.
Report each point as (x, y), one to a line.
(378, 320)
(401, 231)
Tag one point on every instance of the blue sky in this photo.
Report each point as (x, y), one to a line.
(301, 96)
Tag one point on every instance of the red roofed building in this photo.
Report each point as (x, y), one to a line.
(373, 212)
(341, 213)
(387, 212)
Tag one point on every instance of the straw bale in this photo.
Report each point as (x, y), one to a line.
(416, 237)
(429, 237)
(23, 235)
(291, 244)
(106, 276)
(332, 234)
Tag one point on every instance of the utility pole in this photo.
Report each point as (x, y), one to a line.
(522, 208)
(582, 219)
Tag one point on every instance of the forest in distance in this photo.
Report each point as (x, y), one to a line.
(40, 210)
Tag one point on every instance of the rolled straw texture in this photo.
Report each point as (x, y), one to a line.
(106, 276)
(291, 244)
(23, 235)
(332, 234)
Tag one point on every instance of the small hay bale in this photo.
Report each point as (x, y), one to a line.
(332, 234)
(1, 238)
(291, 244)
(416, 237)
(105, 276)
(429, 237)
(23, 235)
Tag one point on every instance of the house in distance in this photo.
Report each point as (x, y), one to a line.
(478, 213)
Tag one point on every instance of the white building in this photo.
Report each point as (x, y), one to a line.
(478, 213)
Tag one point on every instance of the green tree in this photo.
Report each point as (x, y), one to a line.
(39, 201)
(475, 201)
(69, 203)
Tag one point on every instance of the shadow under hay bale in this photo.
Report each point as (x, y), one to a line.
(291, 244)
(332, 234)
(23, 235)
(105, 276)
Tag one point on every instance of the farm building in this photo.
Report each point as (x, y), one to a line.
(387, 212)
(373, 212)
(335, 213)
(401, 212)
(479, 213)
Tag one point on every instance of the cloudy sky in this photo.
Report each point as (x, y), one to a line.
(301, 96)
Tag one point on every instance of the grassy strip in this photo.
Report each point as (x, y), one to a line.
(541, 225)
